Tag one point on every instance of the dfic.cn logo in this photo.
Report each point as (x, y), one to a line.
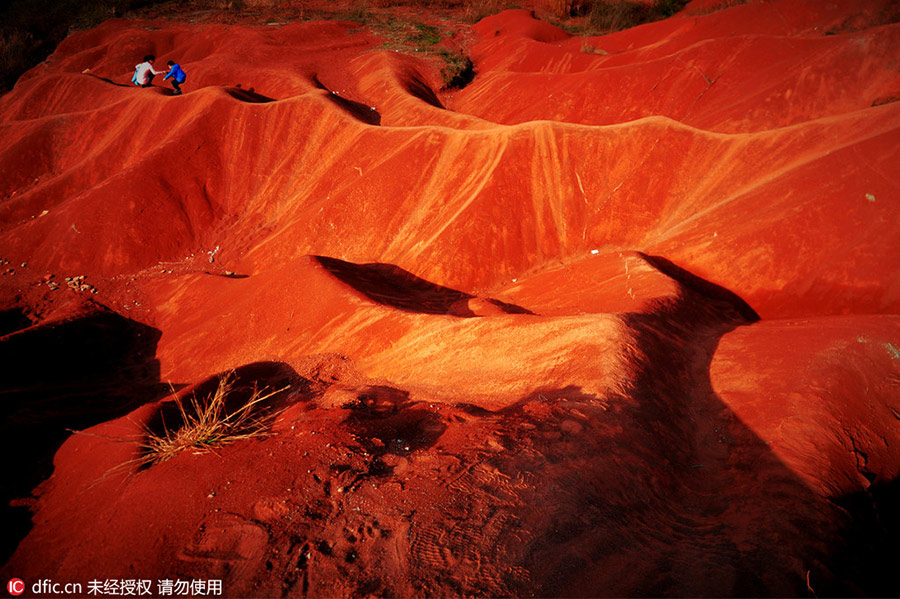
(16, 586)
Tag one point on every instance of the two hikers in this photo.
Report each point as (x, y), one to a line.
(144, 73)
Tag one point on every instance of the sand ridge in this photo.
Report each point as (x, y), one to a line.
(619, 317)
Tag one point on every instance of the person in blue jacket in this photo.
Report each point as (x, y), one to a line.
(177, 74)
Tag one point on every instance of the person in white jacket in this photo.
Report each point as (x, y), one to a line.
(144, 72)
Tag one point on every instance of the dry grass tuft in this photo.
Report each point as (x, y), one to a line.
(589, 48)
(208, 424)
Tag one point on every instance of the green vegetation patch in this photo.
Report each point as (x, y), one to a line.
(599, 17)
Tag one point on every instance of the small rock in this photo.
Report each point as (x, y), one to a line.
(572, 427)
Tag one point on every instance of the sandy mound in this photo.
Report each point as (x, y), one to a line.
(618, 318)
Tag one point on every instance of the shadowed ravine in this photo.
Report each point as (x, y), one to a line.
(662, 480)
(101, 366)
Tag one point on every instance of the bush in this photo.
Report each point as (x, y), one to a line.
(458, 71)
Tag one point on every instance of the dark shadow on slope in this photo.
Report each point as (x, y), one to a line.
(362, 112)
(660, 491)
(729, 485)
(392, 286)
(247, 95)
(385, 422)
(61, 376)
(414, 84)
(13, 320)
(872, 549)
(318, 83)
(110, 81)
(508, 308)
(359, 111)
(226, 275)
(723, 298)
(676, 417)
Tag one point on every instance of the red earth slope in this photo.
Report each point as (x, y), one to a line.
(618, 318)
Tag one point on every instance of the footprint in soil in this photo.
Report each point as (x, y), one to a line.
(227, 544)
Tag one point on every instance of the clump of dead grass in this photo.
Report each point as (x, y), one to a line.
(208, 423)
(589, 48)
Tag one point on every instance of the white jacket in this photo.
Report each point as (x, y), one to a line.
(142, 72)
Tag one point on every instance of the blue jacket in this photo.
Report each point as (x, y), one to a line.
(177, 73)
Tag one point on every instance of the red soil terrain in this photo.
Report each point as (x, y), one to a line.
(618, 318)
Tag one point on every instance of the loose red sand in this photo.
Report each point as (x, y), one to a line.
(619, 318)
